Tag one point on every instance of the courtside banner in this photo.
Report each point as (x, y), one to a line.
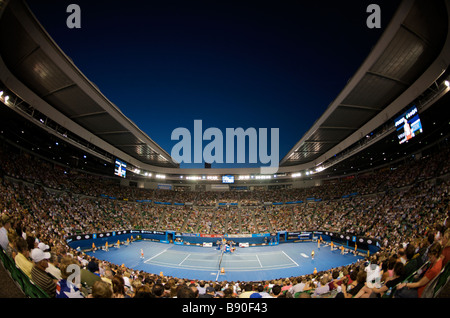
(238, 235)
(351, 237)
(211, 235)
(188, 234)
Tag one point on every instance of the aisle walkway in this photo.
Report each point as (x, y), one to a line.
(9, 288)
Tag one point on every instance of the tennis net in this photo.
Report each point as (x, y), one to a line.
(220, 260)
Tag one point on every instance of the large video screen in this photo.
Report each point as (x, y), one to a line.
(120, 168)
(228, 179)
(408, 125)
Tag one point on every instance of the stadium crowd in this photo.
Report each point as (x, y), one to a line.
(407, 208)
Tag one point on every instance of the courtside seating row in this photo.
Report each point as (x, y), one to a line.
(434, 287)
(438, 284)
(30, 289)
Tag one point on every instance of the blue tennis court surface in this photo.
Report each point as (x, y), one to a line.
(245, 264)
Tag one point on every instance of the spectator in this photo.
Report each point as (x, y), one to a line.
(248, 290)
(415, 289)
(185, 292)
(158, 290)
(218, 290)
(201, 287)
(228, 293)
(38, 274)
(323, 288)
(262, 292)
(65, 288)
(255, 295)
(12, 250)
(446, 247)
(22, 257)
(193, 287)
(360, 283)
(167, 290)
(94, 268)
(413, 262)
(127, 279)
(52, 268)
(276, 291)
(118, 286)
(391, 263)
(402, 256)
(101, 289)
(135, 284)
(107, 276)
(143, 291)
(286, 285)
(88, 278)
(371, 292)
(210, 293)
(31, 241)
(298, 286)
(6, 225)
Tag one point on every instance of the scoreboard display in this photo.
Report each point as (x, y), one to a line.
(120, 168)
(408, 125)
(228, 179)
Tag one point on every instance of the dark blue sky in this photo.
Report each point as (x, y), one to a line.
(276, 64)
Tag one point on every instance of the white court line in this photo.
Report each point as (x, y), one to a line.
(229, 269)
(174, 265)
(157, 255)
(290, 258)
(260, 267)
(184, 259)
(258, 260)
(241, 260)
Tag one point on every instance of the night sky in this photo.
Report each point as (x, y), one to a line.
(272, 64)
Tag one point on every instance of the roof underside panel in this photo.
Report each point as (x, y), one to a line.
(344, 115)
(73, 102)
(373, 91)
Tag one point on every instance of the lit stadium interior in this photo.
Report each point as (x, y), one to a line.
(367, 182)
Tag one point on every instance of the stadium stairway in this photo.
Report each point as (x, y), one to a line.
(14, 282)
(9, 288)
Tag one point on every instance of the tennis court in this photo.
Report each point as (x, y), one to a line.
(245, 264)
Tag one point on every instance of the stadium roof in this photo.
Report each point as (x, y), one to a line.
(55, 82)
(386, 82)
(411, 56)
